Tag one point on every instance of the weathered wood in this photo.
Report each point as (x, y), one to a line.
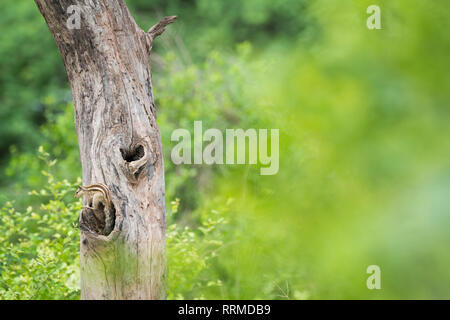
(107, 63)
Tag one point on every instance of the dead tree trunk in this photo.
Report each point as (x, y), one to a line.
(106, 56)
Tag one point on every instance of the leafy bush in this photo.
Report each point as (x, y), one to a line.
(39, 248)
(189, 254)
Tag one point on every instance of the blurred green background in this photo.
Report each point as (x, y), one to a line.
(364, 174)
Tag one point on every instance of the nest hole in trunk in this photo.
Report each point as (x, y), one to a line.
(94, 220)
(132, 154)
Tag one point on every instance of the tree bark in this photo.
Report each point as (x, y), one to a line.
(107, 63)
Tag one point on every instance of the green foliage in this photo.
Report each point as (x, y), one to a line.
(363, 162)
(364, 172)
(39, 248)
(211, 91)
(31, 69)
(189, 252)
(59, 138)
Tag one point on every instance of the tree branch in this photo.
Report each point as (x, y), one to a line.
(159, 28)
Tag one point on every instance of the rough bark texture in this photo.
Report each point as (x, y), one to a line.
(107, 63)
